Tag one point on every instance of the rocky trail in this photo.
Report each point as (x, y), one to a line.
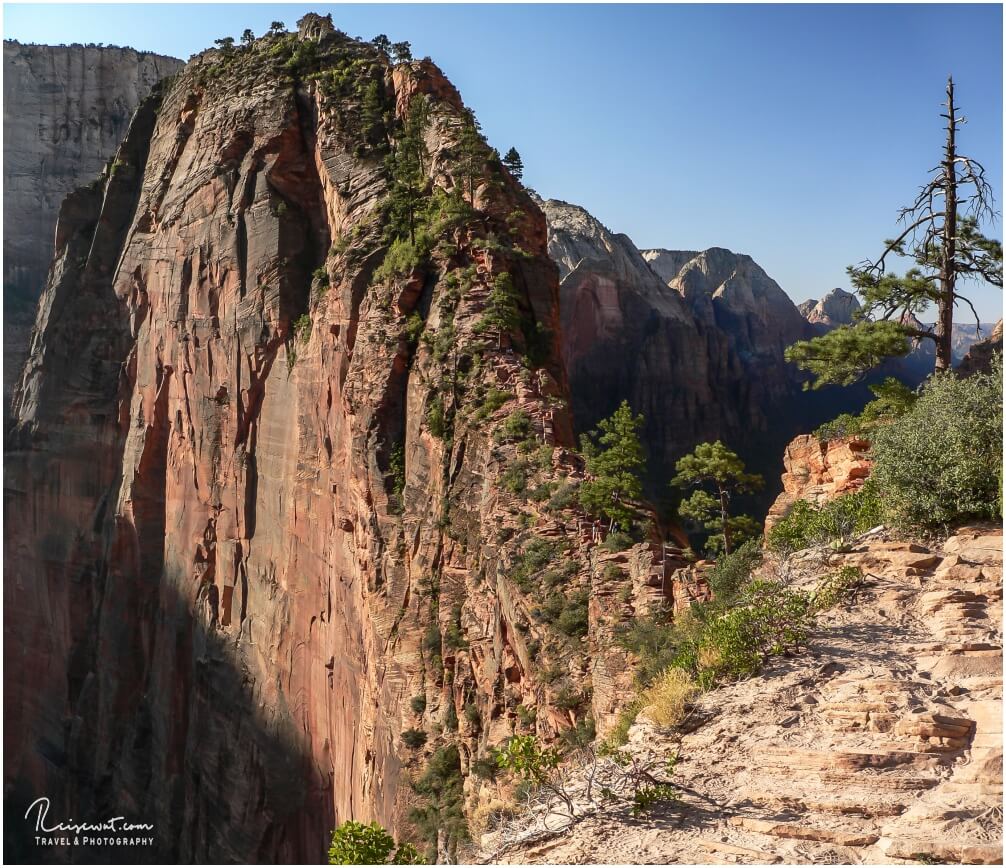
(882, 743)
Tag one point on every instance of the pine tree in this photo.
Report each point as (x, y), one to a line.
(942, 236)
(401, 52)
(407, 167)
(502, 314)
(247, 38)
(514, 164)
(471, 153)
(715, 466)
(381, 43)
(277, 28)
(616, 462)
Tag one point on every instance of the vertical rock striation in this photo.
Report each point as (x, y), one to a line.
(279, 487)
(66, 111)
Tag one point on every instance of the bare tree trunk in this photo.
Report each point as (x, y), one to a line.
(948, 259)
(724, 518)
(443, 851)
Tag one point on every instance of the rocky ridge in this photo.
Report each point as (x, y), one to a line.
(881, 743)
(67, 109)
(269, 482)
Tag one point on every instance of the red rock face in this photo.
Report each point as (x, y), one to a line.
(232, 529)
(819, 471)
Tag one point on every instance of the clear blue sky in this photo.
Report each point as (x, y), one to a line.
(792, 133)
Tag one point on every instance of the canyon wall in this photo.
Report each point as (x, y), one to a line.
(284, 485)
(66, 111)
(694, 340)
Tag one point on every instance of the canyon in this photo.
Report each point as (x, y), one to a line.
(243, 559)
(291, 523)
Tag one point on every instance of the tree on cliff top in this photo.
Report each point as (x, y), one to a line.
(713, 465)
(514, 164)
(615, 460)
(941, 234)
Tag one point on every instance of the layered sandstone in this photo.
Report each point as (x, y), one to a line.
(818, 471)
(66, 109)
(269, 507)
(880, 743)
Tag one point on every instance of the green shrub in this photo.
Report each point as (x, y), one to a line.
(526, 716)
(568, 699)
(514, 478)
(396, 469)
(515, 427)
(619, 733)
(485, 768)
(436, 418)
(359, 844)
(580, 735)
(650, 795)
(616, 541)
(807, 525)
(573, 619)
(564, 497)
(494, 399)
(302, 328)
(535, 556)
(414, 738)
(733, 570)
(940, 463)
(414, 326)
(418, 704)
(441, 807)
(836, 587)
(892, 400)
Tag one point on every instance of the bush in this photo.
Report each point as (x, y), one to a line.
(359, 844)
(666, 700)
(485, 768)
(892, 400)
(650, 795)
(536, 555)
(733, 570)
(436, 418)
(516, 426)
(494, 399)
(616, 541)
(414, 738)
(564, 497)
(418, 704)
(573, 619)
(940, 463)
(514, 479)
(807, 525)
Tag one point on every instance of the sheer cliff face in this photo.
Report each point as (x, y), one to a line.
(628, 336)
(258, 524)
(66, 111)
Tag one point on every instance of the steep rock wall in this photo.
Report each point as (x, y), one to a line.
(269, 507)
(66, 111)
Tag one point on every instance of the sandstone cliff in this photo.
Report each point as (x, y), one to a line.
(279, 487)
(66, 109)
(693, 340)
(818, 471)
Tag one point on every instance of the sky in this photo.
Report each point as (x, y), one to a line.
(792, 133)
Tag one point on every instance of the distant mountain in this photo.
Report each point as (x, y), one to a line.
(694, 340)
